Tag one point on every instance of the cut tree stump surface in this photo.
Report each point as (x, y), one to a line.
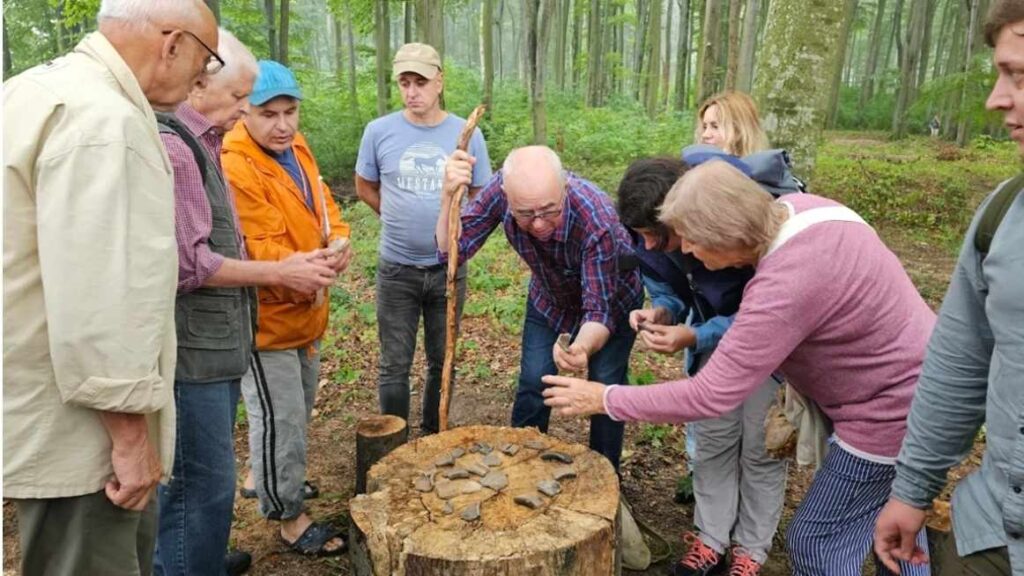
(400, 529)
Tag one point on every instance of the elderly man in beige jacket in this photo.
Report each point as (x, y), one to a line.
(90, 268)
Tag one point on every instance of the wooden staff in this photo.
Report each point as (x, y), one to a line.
(454, 228)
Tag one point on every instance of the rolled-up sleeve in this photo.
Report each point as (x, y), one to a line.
(106, 237)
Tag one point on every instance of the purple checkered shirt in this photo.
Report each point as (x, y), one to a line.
(193, 218)
(576, 276)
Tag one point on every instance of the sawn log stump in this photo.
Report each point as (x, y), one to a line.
(428, 510)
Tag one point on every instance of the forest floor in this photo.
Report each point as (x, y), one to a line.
(653, 457)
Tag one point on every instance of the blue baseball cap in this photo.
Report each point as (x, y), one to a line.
(273, 80)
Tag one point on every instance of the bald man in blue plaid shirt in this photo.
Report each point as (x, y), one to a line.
(568, 232)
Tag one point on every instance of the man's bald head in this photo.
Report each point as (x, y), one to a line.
(166, 44)
(534, 183)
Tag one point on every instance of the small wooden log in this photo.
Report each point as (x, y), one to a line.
(376, 436)
(454, 230)
(398, 530)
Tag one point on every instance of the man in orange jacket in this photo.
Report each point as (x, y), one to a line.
(284, 207)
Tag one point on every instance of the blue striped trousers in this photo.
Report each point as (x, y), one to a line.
(833, 529)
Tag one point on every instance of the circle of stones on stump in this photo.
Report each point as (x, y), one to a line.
(516, 529)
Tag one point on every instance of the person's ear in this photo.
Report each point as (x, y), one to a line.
(171, 47)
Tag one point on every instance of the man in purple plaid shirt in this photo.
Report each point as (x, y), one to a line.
(568, 233)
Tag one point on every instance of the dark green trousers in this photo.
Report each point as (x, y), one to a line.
(946, 562)
(85, 535)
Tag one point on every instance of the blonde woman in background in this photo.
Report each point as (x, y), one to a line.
(738, 488)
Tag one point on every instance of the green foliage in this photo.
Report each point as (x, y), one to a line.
(656, 435)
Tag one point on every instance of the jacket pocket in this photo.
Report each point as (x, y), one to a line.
(210, 323)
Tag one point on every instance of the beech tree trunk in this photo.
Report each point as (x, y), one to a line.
(376, 437)
(382, 31)
(795, 67)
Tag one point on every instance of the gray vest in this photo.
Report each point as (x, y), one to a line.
(215, 326)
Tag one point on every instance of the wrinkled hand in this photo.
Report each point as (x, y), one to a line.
(645, 317)
(136, 474)
(338, 261)
(573, 396)
(458, 171)
(573, 359)
(667, 339)
(307, 272)
(895, 535)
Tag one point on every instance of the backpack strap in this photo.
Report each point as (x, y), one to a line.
(169, 124)
(994, 213)
(797, 223)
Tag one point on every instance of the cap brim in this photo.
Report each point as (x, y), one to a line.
(428, 71)
(264, 96)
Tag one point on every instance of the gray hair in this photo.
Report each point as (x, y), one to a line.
(510, 166)
(140, 11)
(237, 57)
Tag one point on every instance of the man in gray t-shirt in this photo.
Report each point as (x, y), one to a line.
(399, 174)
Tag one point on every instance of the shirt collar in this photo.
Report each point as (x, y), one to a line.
(195, 122)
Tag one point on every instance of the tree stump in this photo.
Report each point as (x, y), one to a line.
(376, 436)
(414, 520)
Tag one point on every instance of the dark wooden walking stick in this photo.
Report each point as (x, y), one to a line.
(452, 293)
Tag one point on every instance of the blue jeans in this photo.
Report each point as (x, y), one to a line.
(609, 366)
(196, 507)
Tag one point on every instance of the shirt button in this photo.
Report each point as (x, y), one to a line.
(1015, 535)
(1021, 429)
(1016, 489)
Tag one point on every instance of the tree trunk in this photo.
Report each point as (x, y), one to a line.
(745, 74)
(733, 65)
(403, 524)
(8, 60)
(353, 95)
(707, 82)
(926, 44)
(908, 66)
(894, 37)
(940, 48)
(795, 67)
(487, 35)
(653, 66)
(339, 48)
(376, 437)
(282, 51)
(561, 38)
(683, 55)
(215, 8)
(407, 22)
(430, 23)
(871, 68)
(837, 77)
(270, 11)
(963, 127)
(382, 28)
(666, 65)
(595, 90)
(537, 19)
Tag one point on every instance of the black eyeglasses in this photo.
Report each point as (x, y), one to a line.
(528, 216)
(214, 62)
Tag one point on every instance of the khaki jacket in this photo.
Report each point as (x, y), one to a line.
(277, 223)
(90, 271)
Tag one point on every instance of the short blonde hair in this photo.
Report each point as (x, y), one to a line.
(738, 117)
(716, 206)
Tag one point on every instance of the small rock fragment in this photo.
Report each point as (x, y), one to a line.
(563, 472)
(458, 453)
(447, 490)
(478, 468)
(424, 483)
(455, 473)
(483, 448)
(510, 449)
(549, 488)
(472, 512)
(444, 460)
(448, 508)
(531, 501)
(491, 460)
(470, 487)
(556, 456)
(535, 445)
(495, 481)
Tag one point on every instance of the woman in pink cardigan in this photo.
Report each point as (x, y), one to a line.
(831, 308)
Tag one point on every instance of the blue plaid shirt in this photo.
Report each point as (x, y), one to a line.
(576, 276)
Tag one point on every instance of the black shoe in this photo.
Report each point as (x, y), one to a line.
(237, 562)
